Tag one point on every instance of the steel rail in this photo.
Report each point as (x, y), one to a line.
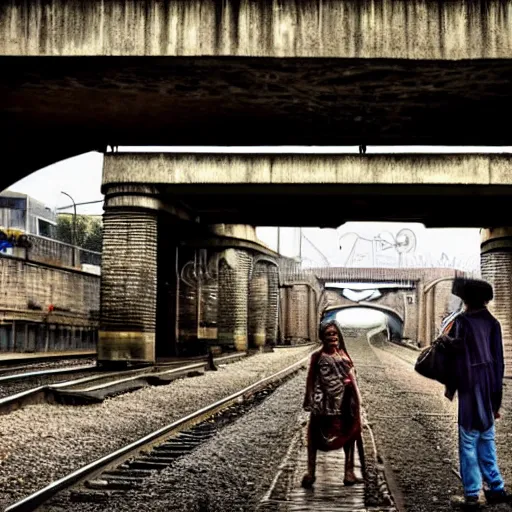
(36, 499)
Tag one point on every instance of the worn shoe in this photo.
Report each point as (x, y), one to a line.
(466, 502)
(307, 481)
(501, 496)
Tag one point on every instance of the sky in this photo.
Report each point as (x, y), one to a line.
(80, 177)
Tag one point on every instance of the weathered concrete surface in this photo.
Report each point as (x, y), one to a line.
(128, 286)
(287, 169)
(27, 290)
(325, 190)
(404, 29)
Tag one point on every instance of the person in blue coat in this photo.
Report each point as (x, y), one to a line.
(479, 371)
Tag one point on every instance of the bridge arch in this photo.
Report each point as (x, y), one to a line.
(394, 320)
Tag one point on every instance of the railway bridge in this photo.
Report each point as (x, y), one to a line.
(264, 72)
(162, 208)
(180, 260)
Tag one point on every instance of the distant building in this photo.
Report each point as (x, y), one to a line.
(20, 211)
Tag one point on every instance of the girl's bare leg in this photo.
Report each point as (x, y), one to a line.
(309, 478)
(350, 477)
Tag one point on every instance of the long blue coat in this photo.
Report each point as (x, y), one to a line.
(479, 368)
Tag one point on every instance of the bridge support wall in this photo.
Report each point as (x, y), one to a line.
(496, 265)
(300, 313)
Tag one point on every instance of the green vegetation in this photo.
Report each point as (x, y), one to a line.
(89, 231)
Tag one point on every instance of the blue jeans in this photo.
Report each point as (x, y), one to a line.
(477, 453)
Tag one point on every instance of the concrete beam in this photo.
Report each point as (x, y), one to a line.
(361, 275)
(326, 190)
(398, 29)
(293, 169)
(241, 101)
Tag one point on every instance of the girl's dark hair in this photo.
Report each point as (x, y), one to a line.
(332, 323)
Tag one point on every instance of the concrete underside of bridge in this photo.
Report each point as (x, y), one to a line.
(77, 75)
(317, 190)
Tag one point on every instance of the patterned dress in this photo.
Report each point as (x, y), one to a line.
(333, 400)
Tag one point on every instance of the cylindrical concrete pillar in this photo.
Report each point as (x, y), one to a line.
(128, 286)
(273, 305)
(234, 270)
(258, 305)
(496, 267)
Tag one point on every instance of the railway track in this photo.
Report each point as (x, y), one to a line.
(95, 388)
(43, 373)
(128, 466)
(20, 361)
(431, 420)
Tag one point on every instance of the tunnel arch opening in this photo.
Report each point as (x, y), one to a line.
(367, 316)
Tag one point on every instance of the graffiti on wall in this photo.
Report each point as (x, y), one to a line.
(203, 268)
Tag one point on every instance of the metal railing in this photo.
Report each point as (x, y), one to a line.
(41, 249)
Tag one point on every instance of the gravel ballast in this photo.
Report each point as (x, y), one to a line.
(415, 429)
(230, 472)
(41, 443)
(42, 366)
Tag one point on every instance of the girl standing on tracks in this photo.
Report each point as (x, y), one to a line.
(332, 398)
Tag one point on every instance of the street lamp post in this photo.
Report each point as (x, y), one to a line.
(73, 232)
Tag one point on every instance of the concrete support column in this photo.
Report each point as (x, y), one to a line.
(422, 315)
(496, 267)
(283, 315)
(128, 285)
(430, 333)
(273, 305)
(290, 309)
(411, 317)
(258, 305)
(234, 268)
(313, 315)
(298, 312)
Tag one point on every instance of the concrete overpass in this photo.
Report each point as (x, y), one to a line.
(439, 190)
(80, 75)
(420, 297)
